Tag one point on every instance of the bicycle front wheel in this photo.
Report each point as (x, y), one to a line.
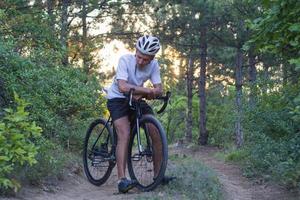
(147, 153)
(98, 152)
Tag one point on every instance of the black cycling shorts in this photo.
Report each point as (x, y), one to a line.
(118, 107)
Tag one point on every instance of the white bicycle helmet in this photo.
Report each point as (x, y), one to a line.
(148, 45)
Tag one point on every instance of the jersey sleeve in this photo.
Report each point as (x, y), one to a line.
(155, 75)
(122, 71)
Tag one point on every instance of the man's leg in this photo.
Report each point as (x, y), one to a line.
(119, 112)
(122, 126)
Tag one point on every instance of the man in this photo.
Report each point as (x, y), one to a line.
(132, 72)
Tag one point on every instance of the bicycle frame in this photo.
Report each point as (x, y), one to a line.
(109, 119)
(138, 114)
(101, 141)
(137, 118)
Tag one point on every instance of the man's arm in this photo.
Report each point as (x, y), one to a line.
(124, 86)
(149, 93)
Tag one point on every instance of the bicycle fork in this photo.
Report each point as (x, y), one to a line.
(143, 148)
(140, 147)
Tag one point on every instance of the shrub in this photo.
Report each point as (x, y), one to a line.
(193, 181)
(62, 99)
(62, 102)
(272, 138)
(276, 160)
(17, 147)
(51, 160)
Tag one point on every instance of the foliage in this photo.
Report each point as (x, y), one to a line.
(63, 97)
(51, 160)
(279, 29)
(275, 160)
(193, 181)
(28, 27)
(17, 142)
(272, 128)
(272, 149)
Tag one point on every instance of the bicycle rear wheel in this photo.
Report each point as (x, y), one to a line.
(147, 163)
(98, 152)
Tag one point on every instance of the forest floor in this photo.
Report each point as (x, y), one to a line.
(236, 187)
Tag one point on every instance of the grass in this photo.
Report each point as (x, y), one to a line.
(194, 181)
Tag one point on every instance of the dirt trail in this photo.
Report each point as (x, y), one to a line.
(75, 187)
(235, 186)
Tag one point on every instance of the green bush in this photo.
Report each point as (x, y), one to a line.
(51, 160)
(272, 141)
(276, 160)
(193, 181)
(63, 98)
(17, 147)
(236, 155)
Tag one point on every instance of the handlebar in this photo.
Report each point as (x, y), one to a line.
(166, 101)
(165, 98)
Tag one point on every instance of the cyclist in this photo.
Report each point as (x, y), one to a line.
(132, 72)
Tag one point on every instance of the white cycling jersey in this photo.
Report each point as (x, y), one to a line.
(127, 70)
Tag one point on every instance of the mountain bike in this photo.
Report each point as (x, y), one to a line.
(147, 149)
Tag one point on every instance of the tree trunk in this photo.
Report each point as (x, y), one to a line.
(239, 95)
(189, 81)
(294, 74)
(203, 135)
(3, 98)
(284, 74)
(84, 37)
(181, 77)
(252, 79)
(265, 77)
(64, 31)
(170, 134)
(50, 8)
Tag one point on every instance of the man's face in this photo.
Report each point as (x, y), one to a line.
(142, 60)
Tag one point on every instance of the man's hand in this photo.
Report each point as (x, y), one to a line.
(152, 94)
(137, 96)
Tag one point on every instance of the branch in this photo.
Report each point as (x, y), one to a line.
(116, 34)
